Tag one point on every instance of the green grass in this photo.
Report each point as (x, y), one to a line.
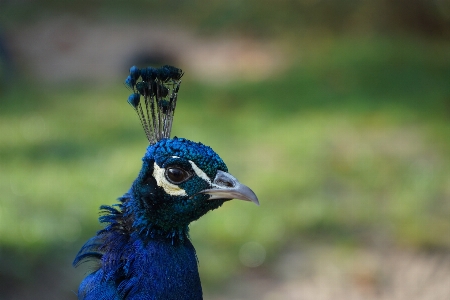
(351, 146)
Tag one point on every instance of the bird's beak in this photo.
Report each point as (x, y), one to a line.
(225, 186)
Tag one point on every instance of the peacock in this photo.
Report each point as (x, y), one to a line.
(144, 250)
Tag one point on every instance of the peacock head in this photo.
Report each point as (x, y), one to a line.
(180, 180)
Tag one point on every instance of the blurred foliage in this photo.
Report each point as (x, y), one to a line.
(260, 18)
(350, 145)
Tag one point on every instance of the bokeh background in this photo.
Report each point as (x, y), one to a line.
(335, 112)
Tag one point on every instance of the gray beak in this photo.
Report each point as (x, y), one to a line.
(225, 186)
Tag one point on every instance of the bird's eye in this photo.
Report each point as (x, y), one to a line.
(177, 175)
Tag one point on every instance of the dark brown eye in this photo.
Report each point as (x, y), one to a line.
(176, 175)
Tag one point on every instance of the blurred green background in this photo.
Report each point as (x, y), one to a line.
(335, 112)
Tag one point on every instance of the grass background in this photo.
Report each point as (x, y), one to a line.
(348, 146)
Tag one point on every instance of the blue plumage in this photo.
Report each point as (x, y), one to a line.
(144, 251)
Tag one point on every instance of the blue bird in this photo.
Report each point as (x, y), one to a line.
(144, 250)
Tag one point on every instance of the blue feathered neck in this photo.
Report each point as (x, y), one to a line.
(130, 267)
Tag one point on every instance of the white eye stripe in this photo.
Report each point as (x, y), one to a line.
(199, 172)
(172, 189)
(161, 181)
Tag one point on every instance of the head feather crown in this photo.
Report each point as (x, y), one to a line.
(154, 98)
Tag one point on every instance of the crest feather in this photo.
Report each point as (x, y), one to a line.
(154, 98)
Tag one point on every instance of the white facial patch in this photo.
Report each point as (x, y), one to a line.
(203, 176)
(169, 188)
(199, 172)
